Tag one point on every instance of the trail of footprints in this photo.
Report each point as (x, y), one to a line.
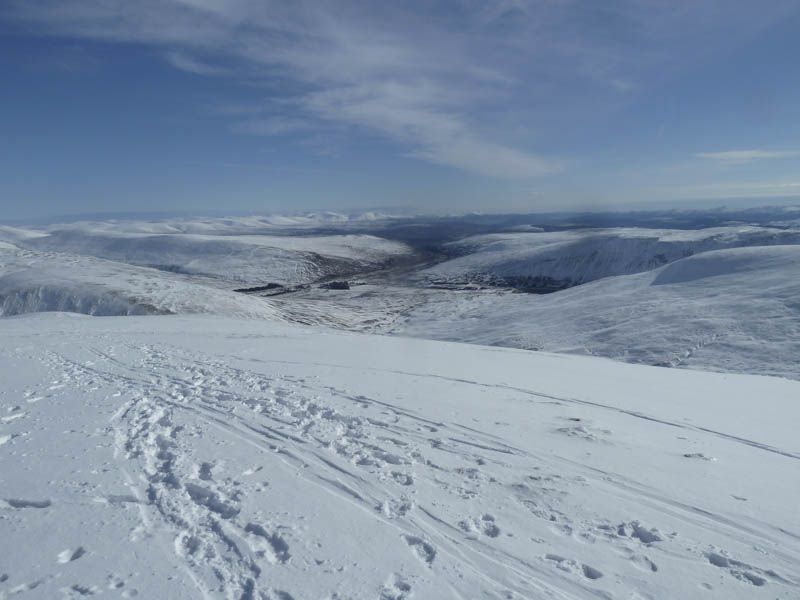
(389, 446)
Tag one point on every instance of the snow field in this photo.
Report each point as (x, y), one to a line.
(199, 456)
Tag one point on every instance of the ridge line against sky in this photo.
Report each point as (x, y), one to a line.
(516, 105)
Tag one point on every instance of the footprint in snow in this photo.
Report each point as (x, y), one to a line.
(421, 548)
(484, 525)
(572, 566)
(699, 456)
(22, 503)
(210, 499)
(204, 471)
(402, 478)
(636, 530)
(70, 555)
(641, 561)
(739, 570)
(271, 545)
(396, 588)
(489, 526)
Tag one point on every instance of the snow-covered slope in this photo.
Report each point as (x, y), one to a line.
(199, 457)
(32, 281)
(244, 259)
(15, 235)
(575, 257)
(735, 310)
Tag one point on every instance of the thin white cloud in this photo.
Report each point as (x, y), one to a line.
(622, 85)
(747, 155)
(187, 63)
(410, 115)
(272, 126)
(438, 79)
(414, 85)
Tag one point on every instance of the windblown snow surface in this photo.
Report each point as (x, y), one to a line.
(204, 457)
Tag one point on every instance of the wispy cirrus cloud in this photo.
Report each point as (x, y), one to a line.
(273, 125)
(740, 156)
(437, 79)
(190, 64)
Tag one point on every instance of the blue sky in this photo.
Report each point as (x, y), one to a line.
(261, 106)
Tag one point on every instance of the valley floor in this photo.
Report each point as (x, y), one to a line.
(199, 456)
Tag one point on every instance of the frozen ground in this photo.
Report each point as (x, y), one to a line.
(199, 456)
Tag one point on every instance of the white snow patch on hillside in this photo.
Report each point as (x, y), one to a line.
(47, 281)
(576, 257)
(735, 310)
(245, 259)
(199, 457)
(13, 235)
(745, 262)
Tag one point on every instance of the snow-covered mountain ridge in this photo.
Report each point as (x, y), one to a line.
(733, 310)
(33, 281)
(568, 258)
(244, 259)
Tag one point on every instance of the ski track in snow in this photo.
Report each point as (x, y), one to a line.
(454, 493)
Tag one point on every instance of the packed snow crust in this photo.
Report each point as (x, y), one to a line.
(209, 457)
